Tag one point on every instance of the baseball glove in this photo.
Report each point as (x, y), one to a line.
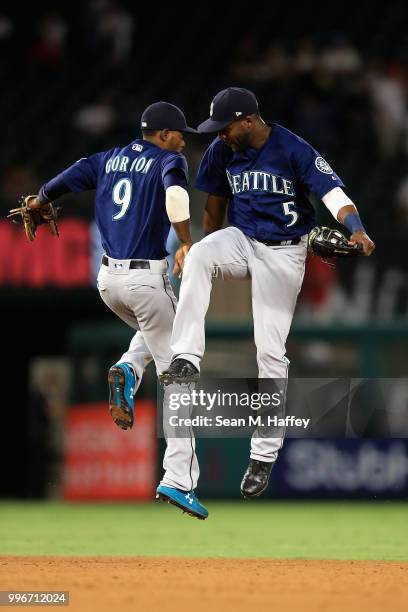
(31, 218)
(327, 242)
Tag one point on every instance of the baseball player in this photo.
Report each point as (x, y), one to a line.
(140, 190)
(263, 174)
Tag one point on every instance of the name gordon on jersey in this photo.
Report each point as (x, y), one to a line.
(120, 163)
(257, 180)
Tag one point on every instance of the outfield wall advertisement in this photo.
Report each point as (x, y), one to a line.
(323, 469)
(103, 462)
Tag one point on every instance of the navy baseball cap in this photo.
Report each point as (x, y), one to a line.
(165, 116)
(228, 106)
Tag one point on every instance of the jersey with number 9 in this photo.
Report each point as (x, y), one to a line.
(130, 197)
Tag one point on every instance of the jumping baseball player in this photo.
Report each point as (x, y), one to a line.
(140, 190)
(263, 173)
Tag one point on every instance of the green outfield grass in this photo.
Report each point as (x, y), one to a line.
(234, 529)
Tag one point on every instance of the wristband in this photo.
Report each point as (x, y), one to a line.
(42, 198)
(353, 223)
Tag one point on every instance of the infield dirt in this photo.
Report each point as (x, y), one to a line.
(148, 584)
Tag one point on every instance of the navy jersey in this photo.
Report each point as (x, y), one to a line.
(268, 188)
(130, 199)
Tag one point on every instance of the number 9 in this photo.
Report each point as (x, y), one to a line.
(122, 196)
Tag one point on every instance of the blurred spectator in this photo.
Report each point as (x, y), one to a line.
(341, 57)
(387, 88)
(6, 36)
(49, 385)
(48, 49)
(273, 64)
(306, 58)
(315, 122)
(113, 30)
(402, 203)
(6, 28)
(96, 118)
(399, 227)
(246, 49)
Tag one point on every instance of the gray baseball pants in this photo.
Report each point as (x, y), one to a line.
(144, 299)
(276, 274)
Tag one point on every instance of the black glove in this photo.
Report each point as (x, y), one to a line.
(327, 242)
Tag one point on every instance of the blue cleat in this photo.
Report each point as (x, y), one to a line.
(185, 500)
(122, 383)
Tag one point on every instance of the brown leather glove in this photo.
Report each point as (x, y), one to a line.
(31, 218)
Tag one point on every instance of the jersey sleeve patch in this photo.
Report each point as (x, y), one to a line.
(322, 165)
(313, 170)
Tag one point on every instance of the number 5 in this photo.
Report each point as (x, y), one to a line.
(291, 213)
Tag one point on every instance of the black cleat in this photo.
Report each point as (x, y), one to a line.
(256, 478)
(179, 371)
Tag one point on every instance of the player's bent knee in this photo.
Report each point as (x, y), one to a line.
(200, 255)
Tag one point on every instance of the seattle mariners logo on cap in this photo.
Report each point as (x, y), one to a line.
(322, 165)
(227, 106)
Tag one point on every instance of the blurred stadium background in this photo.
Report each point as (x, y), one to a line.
(76, 78)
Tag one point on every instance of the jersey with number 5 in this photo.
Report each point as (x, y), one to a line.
(130, 208)
(268, 188)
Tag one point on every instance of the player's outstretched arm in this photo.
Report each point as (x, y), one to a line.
(346, 213)
(214, 213)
